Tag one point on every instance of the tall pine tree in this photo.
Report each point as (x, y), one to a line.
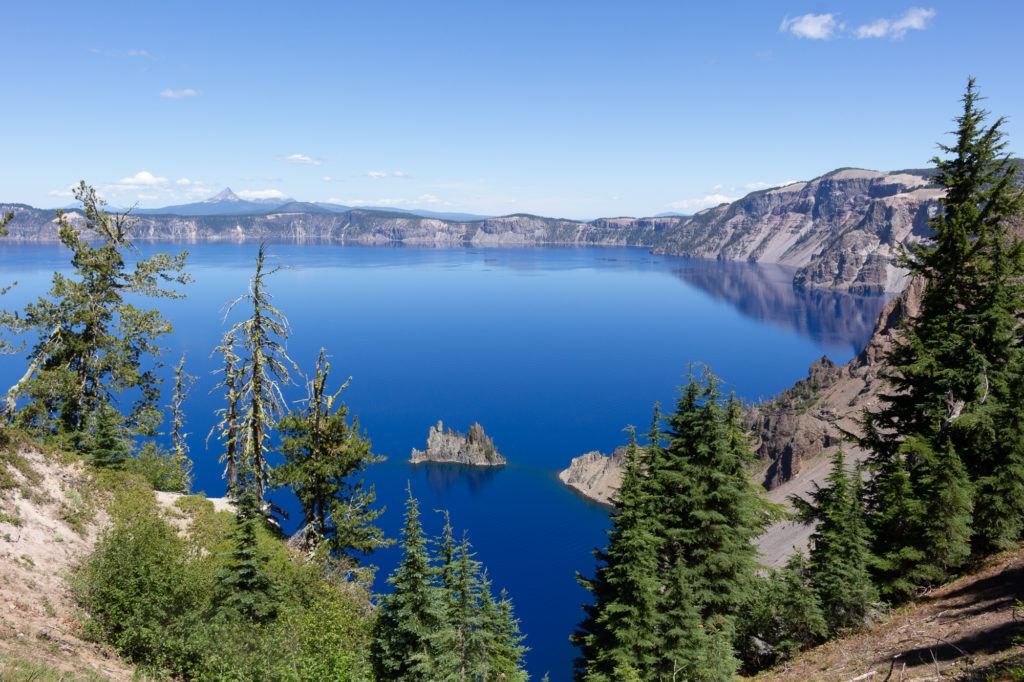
(935, 436)
(840, 547)
(323, 455)
(408, 617)
(621, 625)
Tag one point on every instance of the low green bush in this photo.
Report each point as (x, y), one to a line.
(151, 592)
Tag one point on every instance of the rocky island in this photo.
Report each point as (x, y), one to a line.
(448, 446)
(595, 475)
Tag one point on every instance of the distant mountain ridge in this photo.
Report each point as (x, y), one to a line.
(839, 231)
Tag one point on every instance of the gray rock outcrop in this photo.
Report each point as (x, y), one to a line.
(473, 449)
(595, 475)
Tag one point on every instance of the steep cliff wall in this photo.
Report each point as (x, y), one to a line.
(841, 230)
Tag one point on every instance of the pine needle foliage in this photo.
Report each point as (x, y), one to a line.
(228, 429)
(680, 565)
(442, 623)
(90, 344)
(940, 435)
(265, 369)
(323, 456)
(840, 553)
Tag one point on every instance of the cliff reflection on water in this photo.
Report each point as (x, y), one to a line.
(442, 476)
(766, 292)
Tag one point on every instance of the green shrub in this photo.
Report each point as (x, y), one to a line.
(150, 593)
(137, 581)
(162, 469)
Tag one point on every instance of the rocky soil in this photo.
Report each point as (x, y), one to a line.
(473, 449)
(47, 525)
(970, 629)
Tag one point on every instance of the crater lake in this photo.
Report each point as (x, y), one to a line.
(553, 350)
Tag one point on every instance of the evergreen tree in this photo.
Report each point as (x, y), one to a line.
(183, 383)
(401, 648)
(802, 620)
(999, 519)
(245, 587)
(506, 651)
(708, 509)
(840, 554)
(681, 564)
(228, 427)
(322, 454)
(6, 347)
(935, 435)
(91, 344)
(621, 625)
(785, 617)
(107, 445)
(265, 369)
(690, 648)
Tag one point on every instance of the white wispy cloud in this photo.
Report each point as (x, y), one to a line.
(914, 19)
(62, 193)
(706, 201)
(261, 194)
(379, 175)
(137, 53)
(812, 26)
(302, 159)
(141, 180)
(183, 93)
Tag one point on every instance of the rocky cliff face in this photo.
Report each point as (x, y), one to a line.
(799, 426)
(809, 419)
(839, 230)
(474, 449)
(595, 475)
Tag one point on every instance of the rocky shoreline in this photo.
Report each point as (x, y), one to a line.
(451, 447)
(840, 230)
(793, 431)
(595, 475)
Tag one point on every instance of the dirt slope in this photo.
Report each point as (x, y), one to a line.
(967, 630)
(48, 523)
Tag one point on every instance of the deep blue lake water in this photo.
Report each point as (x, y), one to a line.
(553, 350)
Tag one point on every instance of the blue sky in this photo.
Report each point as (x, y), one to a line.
(575, 109)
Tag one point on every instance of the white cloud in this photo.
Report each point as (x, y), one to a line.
(142, 179)
(63, 193)
(378, 175)
(170, 93)
(812, 26)
(136, 52)
(914, 19)
(257, 194)
(706, 201)
(754, 186)
(302, 159)
(328, 178)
